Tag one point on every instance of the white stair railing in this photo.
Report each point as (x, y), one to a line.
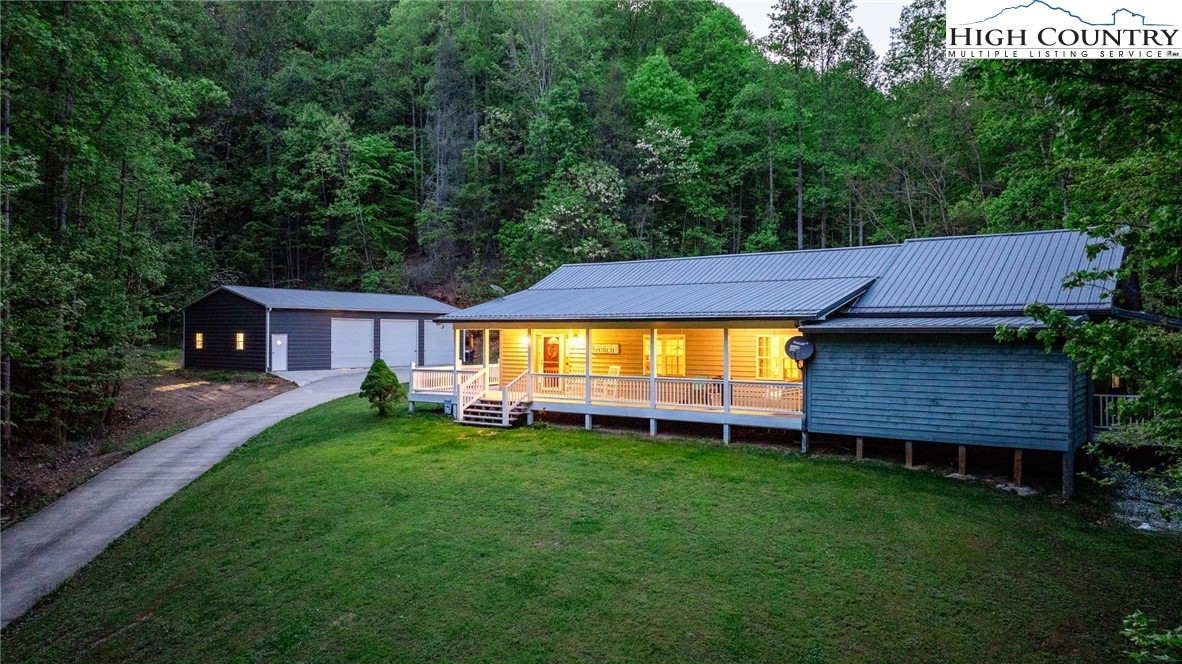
(471, 390)
(512, 394)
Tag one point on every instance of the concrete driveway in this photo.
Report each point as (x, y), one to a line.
(302, 378)
(39, 553)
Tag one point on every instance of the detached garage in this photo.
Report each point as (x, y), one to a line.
(281, 329)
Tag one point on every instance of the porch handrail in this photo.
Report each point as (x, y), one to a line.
(562, 386)
(692, 392)
(1106, 418)
(782, 397)
(512, 394)
(470, 391)
(432, 379)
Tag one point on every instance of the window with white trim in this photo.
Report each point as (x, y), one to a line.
(670, 354)
(771, 362)
(199, 341)
(240, 341)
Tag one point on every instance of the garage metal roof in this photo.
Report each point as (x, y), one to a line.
(292, 298)
(922, 324)
(991, 274)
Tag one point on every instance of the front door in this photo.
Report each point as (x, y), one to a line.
(278, 352)
(552, 354)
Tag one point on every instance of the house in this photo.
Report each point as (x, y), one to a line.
(282, 329)
(903, 341)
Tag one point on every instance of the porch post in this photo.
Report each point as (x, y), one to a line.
(485, 350)
(587, 367)
(457, 355)
(1068, 474)
(652, 368)
(410, 388)
(726, 370)
(529, 368)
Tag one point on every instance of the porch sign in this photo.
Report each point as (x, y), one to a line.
(605, 349)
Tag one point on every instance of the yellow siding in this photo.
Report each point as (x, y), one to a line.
(743, 350)
(630, 358)
(514, 345)
(703, 351)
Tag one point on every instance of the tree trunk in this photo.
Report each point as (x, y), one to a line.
(824, 211)
(6, 222)
(61, 194)
(799, 168)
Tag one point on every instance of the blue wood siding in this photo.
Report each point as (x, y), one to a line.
(309, 334)
(951, 389)
(218, 318)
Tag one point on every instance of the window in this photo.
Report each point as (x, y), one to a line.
(199, 341)
(240, 341)
(770, 361)
(670, 354)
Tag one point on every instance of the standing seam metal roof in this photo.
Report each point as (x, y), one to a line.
(982, 275)
(990, 274)
(292, 298)
(923, 324)
(772, 266)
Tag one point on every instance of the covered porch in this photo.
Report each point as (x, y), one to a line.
(717, 374)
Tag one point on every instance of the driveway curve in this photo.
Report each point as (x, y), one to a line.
(39, 553)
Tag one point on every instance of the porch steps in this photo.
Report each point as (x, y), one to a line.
(488, 413)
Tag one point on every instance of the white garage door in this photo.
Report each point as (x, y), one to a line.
(400, 342)
(439, 344)
(352, 343)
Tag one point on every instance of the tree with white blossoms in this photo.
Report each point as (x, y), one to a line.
(576, 220)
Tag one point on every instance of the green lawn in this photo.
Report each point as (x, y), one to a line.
(338, 536)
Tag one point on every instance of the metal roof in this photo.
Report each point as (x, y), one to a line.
(981, 275)
(772, 266)
(793, 298)
(922, 324)
(990, 274)
(292, 298)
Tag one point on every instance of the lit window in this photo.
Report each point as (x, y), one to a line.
(199, 343)
(771, 363)
(670, 354)
(240, 341)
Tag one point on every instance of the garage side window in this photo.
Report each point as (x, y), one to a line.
(199, 341)
(240, 341)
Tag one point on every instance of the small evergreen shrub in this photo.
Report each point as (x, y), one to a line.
(382, 388)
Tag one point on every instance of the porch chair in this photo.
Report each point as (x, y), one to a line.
(611, 389)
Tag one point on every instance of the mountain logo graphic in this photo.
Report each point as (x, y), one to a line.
(1119, 13)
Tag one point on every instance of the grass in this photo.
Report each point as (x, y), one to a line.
(340, 536)
(151, 360)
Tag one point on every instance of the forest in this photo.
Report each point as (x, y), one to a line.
(152, 151)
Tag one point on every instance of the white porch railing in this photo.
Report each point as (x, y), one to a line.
(433, 379)
(621, 389)
(1106, 406)
(775, 397)
(750, 397)
(559, 386)
(691, 392)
